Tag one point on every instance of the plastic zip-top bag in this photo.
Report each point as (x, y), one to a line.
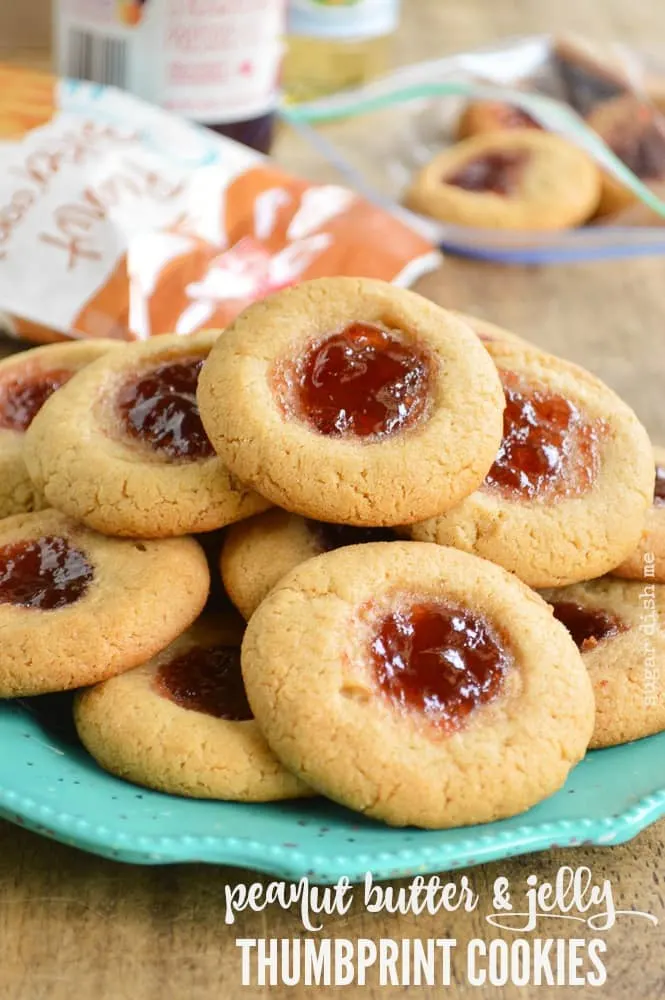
(606, 100)
(118, 219)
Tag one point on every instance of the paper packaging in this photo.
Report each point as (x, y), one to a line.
(120, 220)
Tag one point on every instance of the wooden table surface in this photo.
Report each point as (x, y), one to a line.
(75, 925)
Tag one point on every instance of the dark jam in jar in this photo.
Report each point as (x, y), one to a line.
(45, 573)
(499, 172)
(336, 536)
(439, 661)
(160, 409)
(587, 626)
(21, 399)
(659, 487)
(207, 680)
(231, 71)
(258, 133)
(363, 382)
(549, 449)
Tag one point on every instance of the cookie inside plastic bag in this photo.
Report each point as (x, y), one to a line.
(118, 219)
(606, 100)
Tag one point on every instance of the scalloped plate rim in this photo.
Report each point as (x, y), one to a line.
(326, 863)
(288, 863)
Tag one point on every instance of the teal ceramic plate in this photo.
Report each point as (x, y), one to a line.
(50, 785)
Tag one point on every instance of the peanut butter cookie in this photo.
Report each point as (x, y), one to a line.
(181, 723)
(123, 449)
(566, 497)
(619, 629)
(76, 607)
(416, 684)
(519, 179)
(258, 552)
(27, 380)
(647, 562)
(350, 400)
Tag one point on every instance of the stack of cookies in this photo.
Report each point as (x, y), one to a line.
(439, 536)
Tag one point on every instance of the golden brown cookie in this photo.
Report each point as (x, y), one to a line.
(258, 552)
(620, 631)
(635, 132)
(27, 380)
(568, 492)
(181, 722)
(76, 607)
(479, 117)
(353, 401)
(519, 179)
(647, 562)
(416, 684)
(123, 450)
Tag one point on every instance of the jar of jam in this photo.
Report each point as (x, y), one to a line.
(213, 61)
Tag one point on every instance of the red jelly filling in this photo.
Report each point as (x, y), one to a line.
(659, 488)
(362, 382)
(587, 626)
(160, 409)
(499, 172)
(46, 573)
(548, 449)
(336, 536)
(207, 680)
(22, 399)
(438, 660)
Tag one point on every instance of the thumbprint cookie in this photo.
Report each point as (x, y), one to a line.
(256, 553)
(181, 723)
(77, 607)
(566, 497)
(122, 447)
(619, 629)
(647, 561)
(27, 380)
(520, 179)
(416, 684)
(332, 399)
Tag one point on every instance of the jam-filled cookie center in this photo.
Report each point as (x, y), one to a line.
(587, 626)
(159, 408)
(498, 172)
(549, 448)
(21, 399)
(361, 382)
(659, 487)
(45, 573)
(336, 536)
(438, 660)
(207, 679)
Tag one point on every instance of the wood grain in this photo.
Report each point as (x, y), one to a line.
(72, 924)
